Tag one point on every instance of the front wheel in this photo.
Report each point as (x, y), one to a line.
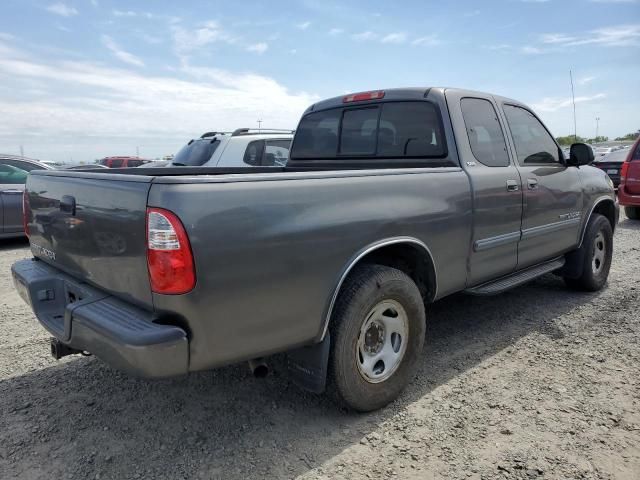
(377, 334)
(597, 247)
(632, 212)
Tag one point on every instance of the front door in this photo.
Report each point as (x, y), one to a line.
(495, 184)
(552, 191)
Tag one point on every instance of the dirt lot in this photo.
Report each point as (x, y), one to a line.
(540, 382)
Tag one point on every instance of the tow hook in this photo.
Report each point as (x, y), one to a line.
(59, 349)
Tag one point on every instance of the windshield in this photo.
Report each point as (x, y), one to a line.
(196, 153)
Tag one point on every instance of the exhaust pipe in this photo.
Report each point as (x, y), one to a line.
(59, 349)
(259, 367)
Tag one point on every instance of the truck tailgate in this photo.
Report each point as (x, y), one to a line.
(92, 226)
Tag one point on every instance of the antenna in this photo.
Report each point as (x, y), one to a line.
(573, 100)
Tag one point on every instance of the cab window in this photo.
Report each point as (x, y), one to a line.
(533, 143)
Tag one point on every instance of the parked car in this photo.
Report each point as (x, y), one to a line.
(390, 200)
(26, 164)
(89, 166)
(629, 189)
(241, 148)
(602, 151)
(156, 164)
(122, 162)
(12, 181)
(611, 164)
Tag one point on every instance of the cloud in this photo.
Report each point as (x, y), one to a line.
(473, 13)
(62, 10)
(124, 13)
(530, 50)
(613, 36)
(552, 104)
(259, 48)
(396, 38)
(364, 36)
(613, 1)
(336, 31)
(585, 80)
(122, 55)
(187, 40)
(101, 110)
(303, 25)
(426, 41)
(94, 3)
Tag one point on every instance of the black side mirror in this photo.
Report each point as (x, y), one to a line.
(580, 154)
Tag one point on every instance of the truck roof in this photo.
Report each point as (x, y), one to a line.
(408, 93)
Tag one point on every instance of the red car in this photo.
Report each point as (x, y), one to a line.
(629, 189)
(122, 162)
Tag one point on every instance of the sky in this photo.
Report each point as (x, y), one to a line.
(84, 79)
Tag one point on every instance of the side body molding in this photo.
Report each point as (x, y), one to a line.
(363, 253)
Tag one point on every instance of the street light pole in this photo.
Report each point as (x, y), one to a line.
(597, 127)
(259, 125)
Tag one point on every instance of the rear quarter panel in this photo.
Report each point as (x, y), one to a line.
(270, 253)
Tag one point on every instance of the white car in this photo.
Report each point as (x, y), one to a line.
(244, 147)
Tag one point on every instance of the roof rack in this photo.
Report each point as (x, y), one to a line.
(259, 131)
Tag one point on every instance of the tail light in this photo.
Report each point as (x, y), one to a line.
(26, 212)
(169, 255)
(623, 171)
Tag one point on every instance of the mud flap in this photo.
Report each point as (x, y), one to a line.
(308, 365)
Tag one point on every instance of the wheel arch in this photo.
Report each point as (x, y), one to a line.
(604, 206)
(405, 253)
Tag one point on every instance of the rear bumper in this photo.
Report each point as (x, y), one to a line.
(85, 318)
(626, 199)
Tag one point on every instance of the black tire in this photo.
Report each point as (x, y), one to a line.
(632, 212)
(367, 287)
(594, 273)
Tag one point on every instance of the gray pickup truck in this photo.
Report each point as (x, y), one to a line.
(391, 200)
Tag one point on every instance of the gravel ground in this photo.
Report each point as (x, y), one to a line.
(540, 382)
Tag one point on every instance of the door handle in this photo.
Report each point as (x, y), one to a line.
(512, 186)
(532, 183)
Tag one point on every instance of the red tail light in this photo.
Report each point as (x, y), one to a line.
(26, 212)
(623, 171)
(359, 97)
(169, 255)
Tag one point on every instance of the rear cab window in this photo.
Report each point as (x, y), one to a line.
(386, 133)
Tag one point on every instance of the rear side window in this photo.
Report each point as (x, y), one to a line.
(386, 130)
(485, 134)
(196, 153)
(116, 163)
(533, 143)
(276, 153)
(134, 163)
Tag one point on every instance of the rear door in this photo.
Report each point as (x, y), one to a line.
(495, 183)
(552, 191)
(12, 182)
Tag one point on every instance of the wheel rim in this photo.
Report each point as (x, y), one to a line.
(599, 253)
(382, 341)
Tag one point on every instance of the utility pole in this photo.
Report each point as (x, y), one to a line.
(21, 151)
(597, 127)
(259, 125)
(573, 100)
(138, 152)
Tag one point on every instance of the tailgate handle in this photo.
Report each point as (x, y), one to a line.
(68, 204)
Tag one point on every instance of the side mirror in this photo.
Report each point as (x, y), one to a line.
(580, 154)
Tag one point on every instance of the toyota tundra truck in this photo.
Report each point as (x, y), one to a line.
(391, 200)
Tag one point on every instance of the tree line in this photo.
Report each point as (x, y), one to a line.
(569, 139)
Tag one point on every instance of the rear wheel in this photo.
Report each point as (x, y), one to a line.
(597, 248)
(377, 334)
(632, 212)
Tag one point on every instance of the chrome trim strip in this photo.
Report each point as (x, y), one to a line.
(363, 253)
(549, 227)
(497, 241)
